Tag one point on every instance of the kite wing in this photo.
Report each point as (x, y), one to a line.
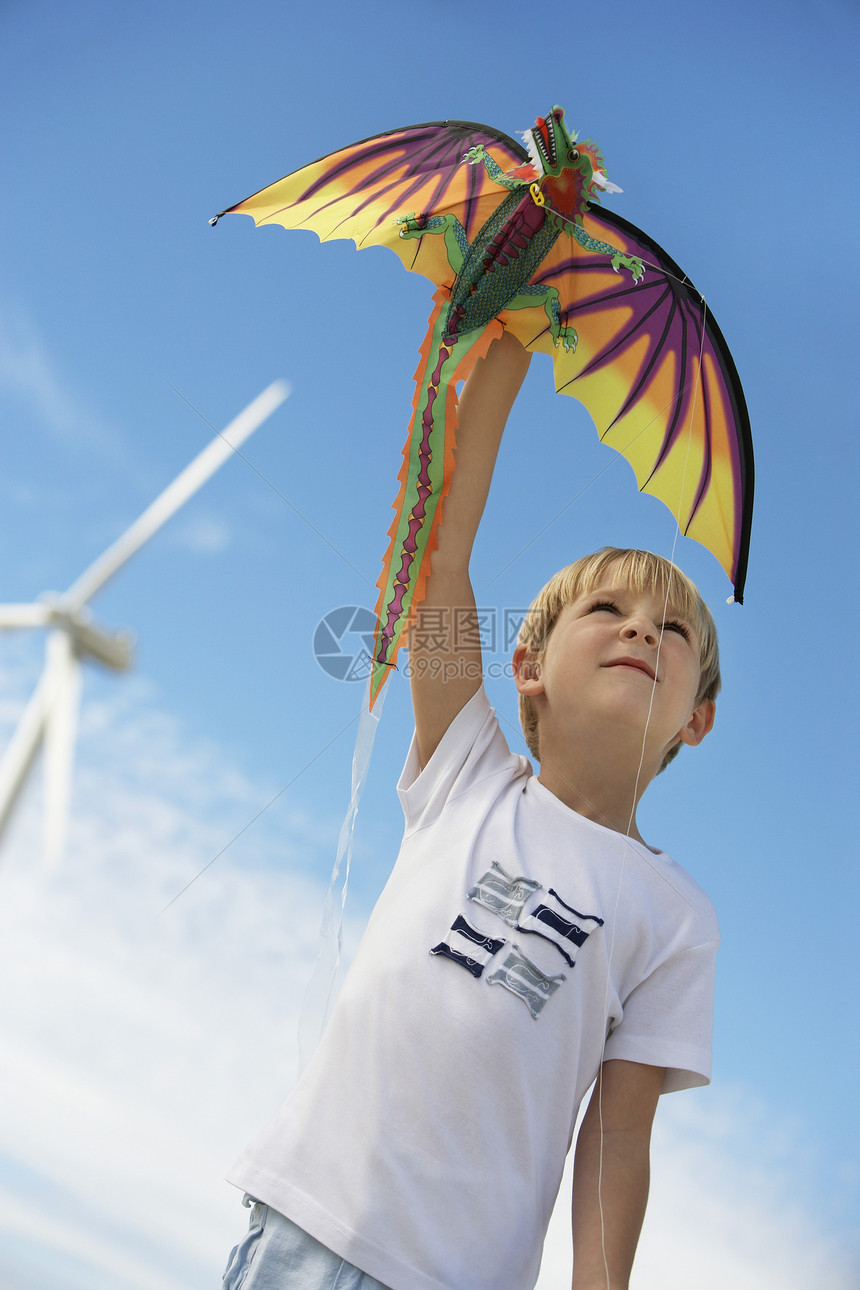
(653, 369)
(361, 191)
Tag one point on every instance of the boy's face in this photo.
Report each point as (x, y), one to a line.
(613, 655)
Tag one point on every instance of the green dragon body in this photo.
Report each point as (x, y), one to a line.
(495, 271)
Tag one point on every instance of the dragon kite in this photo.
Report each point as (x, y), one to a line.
(511, 239)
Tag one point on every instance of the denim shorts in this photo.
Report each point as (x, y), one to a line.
(277, 1255)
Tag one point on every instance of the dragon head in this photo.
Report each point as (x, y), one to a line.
(568, 171)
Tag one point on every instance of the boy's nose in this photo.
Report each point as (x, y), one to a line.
(640, 629)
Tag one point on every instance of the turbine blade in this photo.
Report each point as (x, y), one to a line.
(175, 495)
(60, 731)
(23, 747)
(12, 616)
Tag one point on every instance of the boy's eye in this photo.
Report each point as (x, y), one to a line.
(671, 625)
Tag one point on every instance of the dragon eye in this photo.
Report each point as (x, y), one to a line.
(573, 155)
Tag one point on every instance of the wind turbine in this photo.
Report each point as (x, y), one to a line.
(50, 717)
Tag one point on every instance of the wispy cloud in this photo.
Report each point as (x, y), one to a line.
(123, 1039)
(203, 534)
(138, 1053)
(30, 376)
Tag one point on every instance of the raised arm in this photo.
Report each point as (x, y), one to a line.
(444, 644)
(611, 1174)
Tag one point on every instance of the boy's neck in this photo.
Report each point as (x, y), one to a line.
(602, 789)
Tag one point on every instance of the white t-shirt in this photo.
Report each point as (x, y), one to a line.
(426, 1140)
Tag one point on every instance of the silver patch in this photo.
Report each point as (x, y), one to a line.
(502, 894)
(525, 979)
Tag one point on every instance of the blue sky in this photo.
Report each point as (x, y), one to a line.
(127, 324)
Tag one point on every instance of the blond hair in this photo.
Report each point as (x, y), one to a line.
(640, 571)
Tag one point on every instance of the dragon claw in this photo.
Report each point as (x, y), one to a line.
(474, 155)
(567, 337)
(631, 262)
(411, 224)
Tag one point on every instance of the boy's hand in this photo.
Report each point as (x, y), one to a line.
(444, 641)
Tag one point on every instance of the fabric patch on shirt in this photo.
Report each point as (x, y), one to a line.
(468, 947)
(525, 979)
(571, 927)
(504, 895)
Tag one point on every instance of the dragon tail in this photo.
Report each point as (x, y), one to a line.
(425, 477)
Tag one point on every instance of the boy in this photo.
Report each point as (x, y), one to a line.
(425, 1143)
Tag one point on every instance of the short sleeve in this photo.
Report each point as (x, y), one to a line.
(668, 1019)
(473, 749)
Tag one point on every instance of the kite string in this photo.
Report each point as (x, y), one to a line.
(332, 928)
(632, 816)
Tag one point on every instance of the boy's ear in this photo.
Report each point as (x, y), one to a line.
(527, 672)
(700, 724)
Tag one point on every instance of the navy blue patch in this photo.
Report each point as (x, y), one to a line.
(467, 946)
(555, 927)
(590, 918)
(530, 931)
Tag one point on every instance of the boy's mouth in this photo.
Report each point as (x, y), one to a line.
(638, 663)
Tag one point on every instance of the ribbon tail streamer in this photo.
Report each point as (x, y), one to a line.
(320, 992)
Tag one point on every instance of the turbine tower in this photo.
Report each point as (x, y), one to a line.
(50, 717)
